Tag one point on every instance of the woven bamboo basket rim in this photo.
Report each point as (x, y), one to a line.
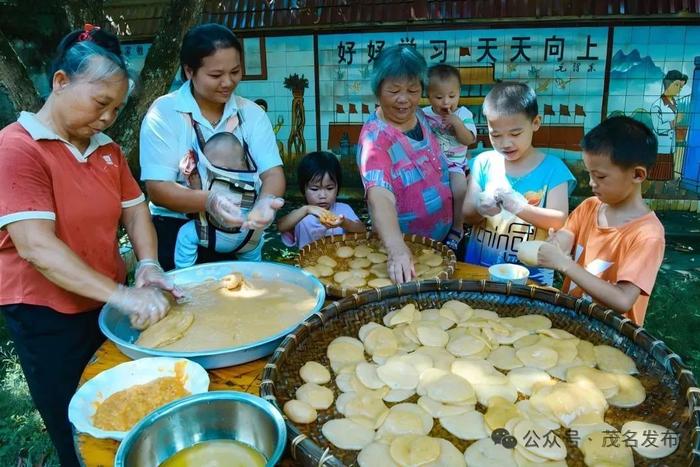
(339, 292)
(303, 448)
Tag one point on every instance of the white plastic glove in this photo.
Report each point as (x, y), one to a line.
(512, 201)
(144, 305)
(487, 205)
(224, 208)
(149, 273)
(263, 212)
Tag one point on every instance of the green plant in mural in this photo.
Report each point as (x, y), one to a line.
(296, 144)
(296, 83)
(365, 72)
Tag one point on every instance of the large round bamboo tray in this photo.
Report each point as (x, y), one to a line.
(673, 400)
(327, 246)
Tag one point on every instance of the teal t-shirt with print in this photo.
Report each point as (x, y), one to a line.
(496, 239)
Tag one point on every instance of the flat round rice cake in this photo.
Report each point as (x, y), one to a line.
(605, 382)
(486, 453)
(499, 412)
(614, 360)
(631, 392)
(431, 335)
(478, 371)
(347, 434)
(437, 409)
(323, 270)
(300, 412)
(486, 392)
(504, 358)
(314, 372)
(537, 356)
(377, 258)
(450, 456)
(465, 346)
(318, 397)
(327, 261)
(597, 451)
(567, 401)
(376, 454)
(531, 323)
(466, 426)
(379, 271)
(365, 329)
(524, 379)
(366, 373)
(361, 251)
(431, 259)
(379, 282)
(396, 411)
(353, 282)
(344, 252)
(381, 341)
(414, 450)
(666, 441)
(555, 449)
(450, 389)
(345, 350)
(359, 263)
(364, 273)
(398, 375)
(341, 276)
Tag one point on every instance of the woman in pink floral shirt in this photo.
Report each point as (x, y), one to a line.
(403, 170)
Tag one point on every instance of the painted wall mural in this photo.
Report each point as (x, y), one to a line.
(652, 73)
(651, 78)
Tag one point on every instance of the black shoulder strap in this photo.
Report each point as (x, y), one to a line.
(198, 131)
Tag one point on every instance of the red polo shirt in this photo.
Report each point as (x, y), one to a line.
(45, 177)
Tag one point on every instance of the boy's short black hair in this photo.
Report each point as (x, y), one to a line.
(315, 165)
(511, 98)
(444, 72)
(628, 142)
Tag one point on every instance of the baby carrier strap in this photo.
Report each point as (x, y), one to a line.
(206, 230)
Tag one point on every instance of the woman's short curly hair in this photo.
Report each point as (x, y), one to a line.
(398, 61)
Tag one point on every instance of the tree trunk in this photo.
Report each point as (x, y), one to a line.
(15, 79)
(84, 11)
(157, 75)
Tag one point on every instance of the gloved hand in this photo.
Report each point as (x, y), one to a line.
(225, 209)
(399, 263)
(512, 201)
(149, 273)
(263, 212)
(487, 205)
(144, 305)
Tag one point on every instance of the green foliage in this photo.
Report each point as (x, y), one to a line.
(25, 441)
(295, 82)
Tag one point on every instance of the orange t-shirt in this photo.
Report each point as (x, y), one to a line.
(43, 177)
(632, 252)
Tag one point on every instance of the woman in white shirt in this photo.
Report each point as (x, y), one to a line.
(664, 114)
(177, 124)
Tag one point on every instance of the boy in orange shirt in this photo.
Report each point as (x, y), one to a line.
(616, 241)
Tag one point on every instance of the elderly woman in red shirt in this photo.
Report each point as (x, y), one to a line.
(64, 189)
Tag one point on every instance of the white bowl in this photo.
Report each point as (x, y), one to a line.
(84, 402)
(508, 272)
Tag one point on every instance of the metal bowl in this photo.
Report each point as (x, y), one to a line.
(115, 325)
(202, 417)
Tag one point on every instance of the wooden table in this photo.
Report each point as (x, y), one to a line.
(100, 452)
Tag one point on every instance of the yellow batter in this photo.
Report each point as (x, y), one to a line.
(123, 409)
(227, 318)
(218, 453)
